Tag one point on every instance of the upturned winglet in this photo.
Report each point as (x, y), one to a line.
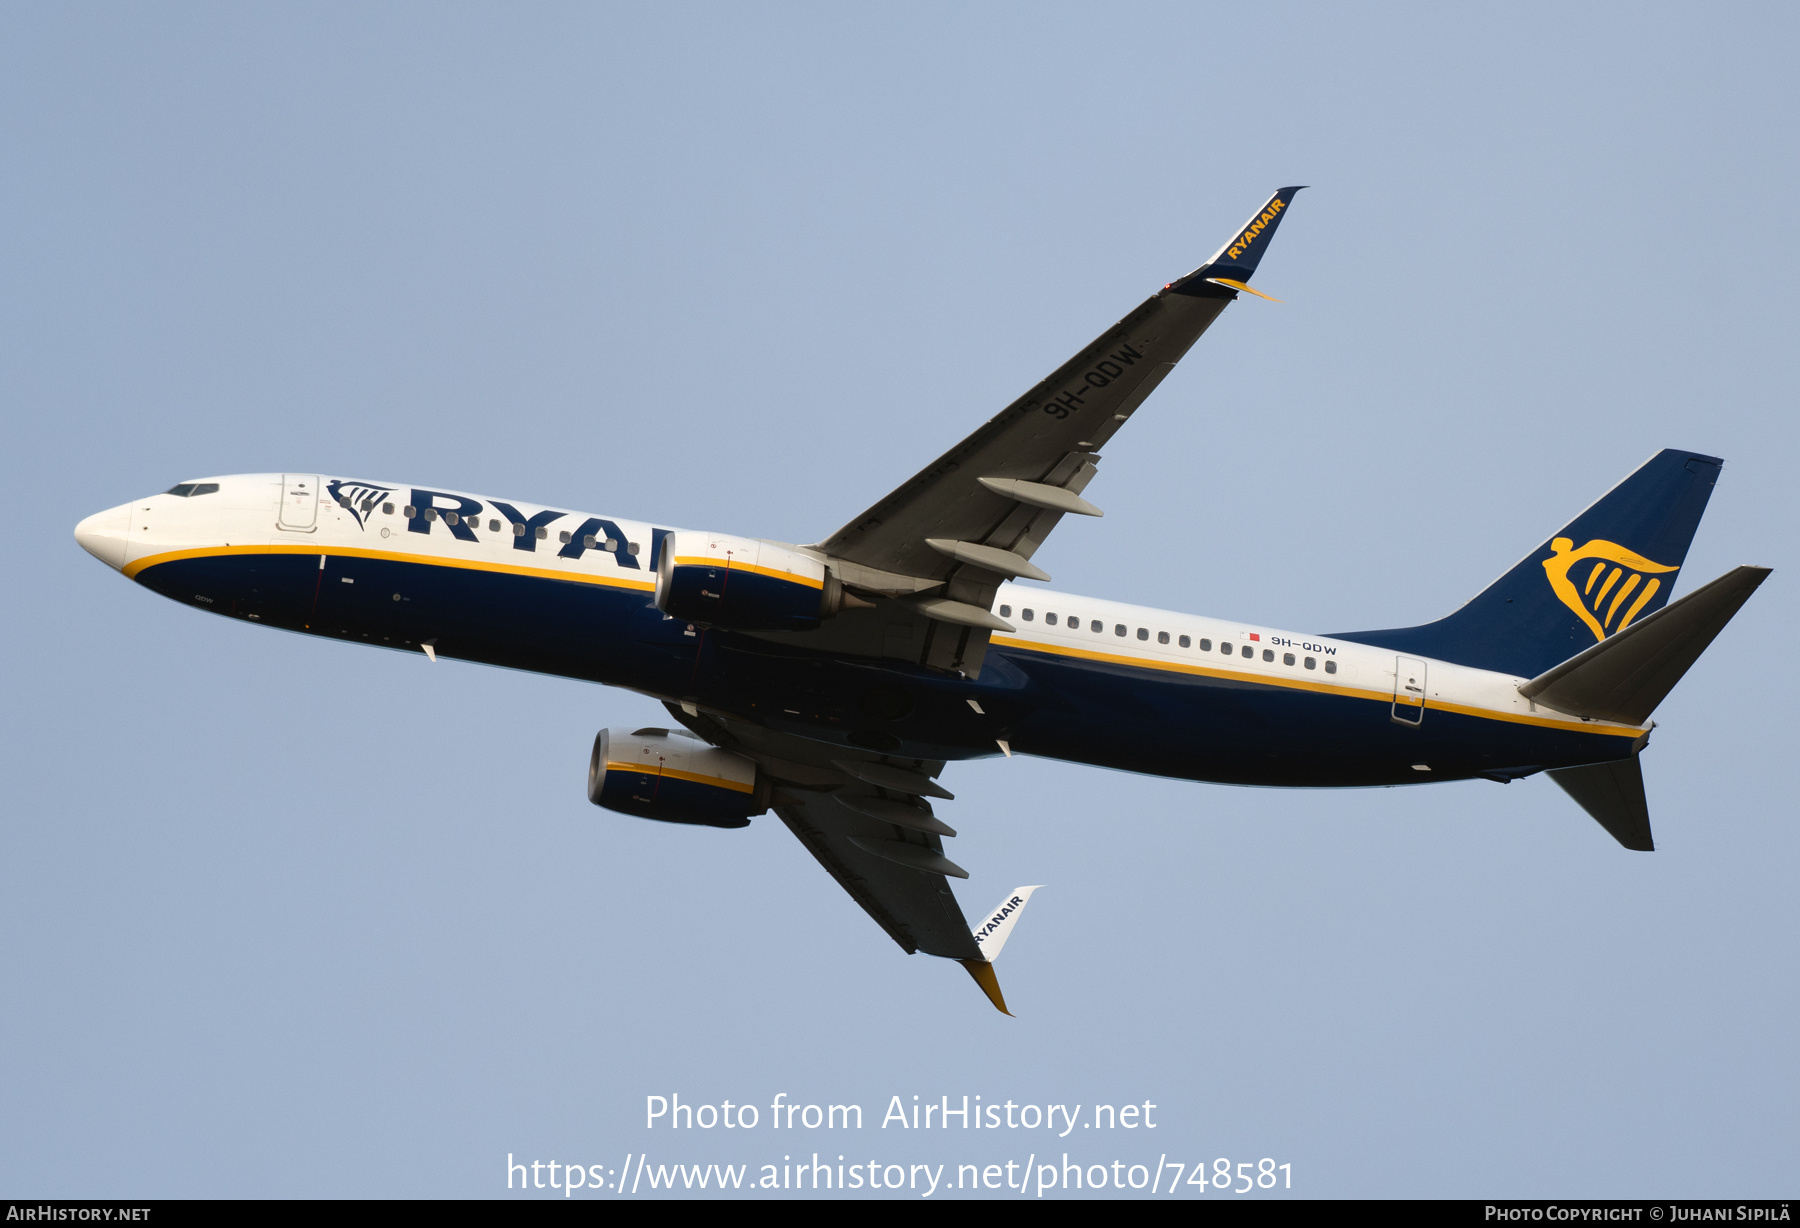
(1231, 267)
(991, 934)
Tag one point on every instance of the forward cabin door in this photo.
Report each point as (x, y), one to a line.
(1409, 690)
(299, 501)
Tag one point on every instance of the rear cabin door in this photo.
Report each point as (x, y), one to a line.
(1409, 690)
(299, 501)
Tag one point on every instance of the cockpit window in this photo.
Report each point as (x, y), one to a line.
(187, 490)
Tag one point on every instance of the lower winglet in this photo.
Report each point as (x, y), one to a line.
(983, 972)
(1244, 286)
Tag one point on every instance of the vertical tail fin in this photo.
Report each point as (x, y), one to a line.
(1613, 564)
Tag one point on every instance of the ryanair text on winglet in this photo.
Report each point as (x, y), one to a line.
(1242, 243)
(1002, 913)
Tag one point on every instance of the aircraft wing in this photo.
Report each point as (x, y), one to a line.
(895, 870)
(975, 516)
(916, 907)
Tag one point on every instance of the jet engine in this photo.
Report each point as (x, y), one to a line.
(675, 778)
(745, 584)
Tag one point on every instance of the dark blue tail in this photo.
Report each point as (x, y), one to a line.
(1611, 565)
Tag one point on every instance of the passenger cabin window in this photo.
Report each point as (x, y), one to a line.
(1188, 643)
(1005, 611)
(1287, 658)
(564, 537)
(452, 519)
(1162, 637)
(631, 548)
(1312, 663)
(544, 533)
(1026, 615)
(1331, 667)
(1248, 651)
(1119, 629)
(1143, 633)
(518, 530)
(588, 541)
(1097, 626)
(494, 526)
(1268, 654)
(1050, 620)
(1205, 645)
(387, 509)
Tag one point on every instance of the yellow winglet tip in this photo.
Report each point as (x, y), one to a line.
(983, 972)
(1238, 285)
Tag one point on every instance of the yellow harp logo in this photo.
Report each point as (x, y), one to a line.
(1598, 593)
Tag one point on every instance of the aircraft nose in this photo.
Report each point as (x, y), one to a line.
(103, 535)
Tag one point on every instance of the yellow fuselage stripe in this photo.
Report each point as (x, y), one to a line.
(132, 570)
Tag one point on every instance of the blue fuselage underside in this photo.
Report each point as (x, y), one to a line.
(1106, 714)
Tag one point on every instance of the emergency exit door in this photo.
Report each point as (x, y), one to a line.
(299, 502)
(1409, 690)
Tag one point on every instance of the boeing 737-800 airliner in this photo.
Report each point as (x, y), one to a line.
(832, 682)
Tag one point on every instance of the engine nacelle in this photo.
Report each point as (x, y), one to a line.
(743, 584)
(673, 777)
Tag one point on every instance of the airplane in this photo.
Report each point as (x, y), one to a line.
(832, 683)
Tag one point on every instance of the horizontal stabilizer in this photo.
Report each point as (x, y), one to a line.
(1624, 677)
(1614, 794)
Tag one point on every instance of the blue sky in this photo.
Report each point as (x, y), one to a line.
(287, 917)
